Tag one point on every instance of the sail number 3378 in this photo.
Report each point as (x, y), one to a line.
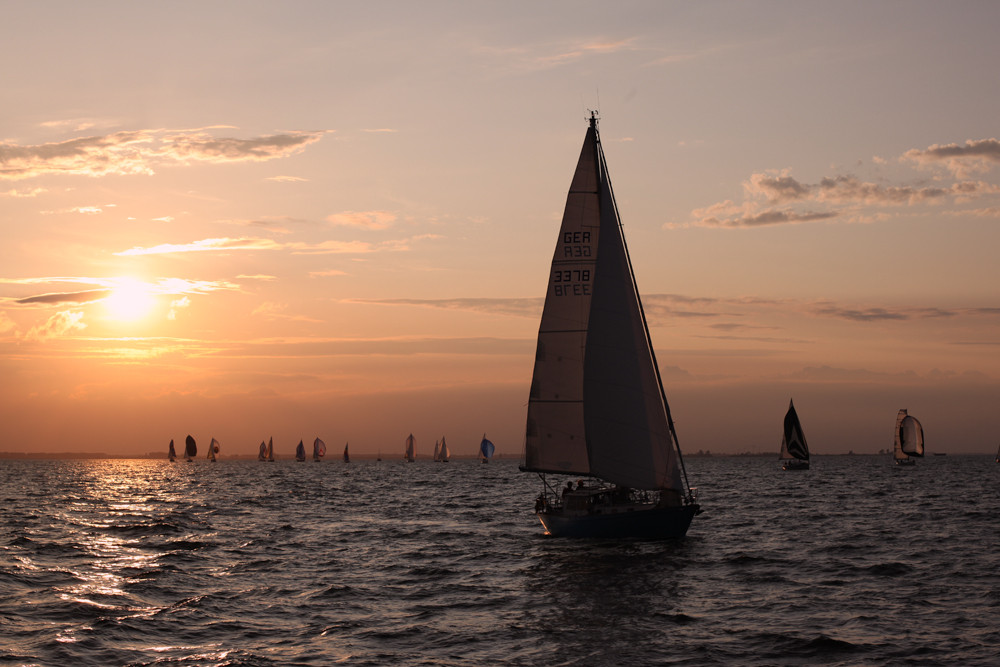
(571, 282)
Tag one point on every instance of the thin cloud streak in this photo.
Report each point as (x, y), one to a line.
(139, 151)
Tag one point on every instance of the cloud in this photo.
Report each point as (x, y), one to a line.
(519, 307)
(34, 192)
(295, 247)
(139, 151)
(287, 179)
(60, 324)
(363, 219)
(177, 304)
(66, 297)
(973, 157)
(775, 197)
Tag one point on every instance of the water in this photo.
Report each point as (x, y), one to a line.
(854, 562)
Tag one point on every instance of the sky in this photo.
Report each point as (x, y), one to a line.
(245, 220)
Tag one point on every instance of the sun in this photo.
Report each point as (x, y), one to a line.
(129, 300)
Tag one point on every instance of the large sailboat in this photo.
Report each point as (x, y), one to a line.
(596, 408)
(410, 453)
(213, 449)
(794, 451)
(908, 443)
(171, 452)
(319, 450)
(486, 449)
(190, 449)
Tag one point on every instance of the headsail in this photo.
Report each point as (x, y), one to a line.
(908, 440)
(410, 454)
(262, 452)
(171, 453)
(793, 440)
(486, 449)
(319, 449)
(596, 405)
(190, 448)
(213, 449)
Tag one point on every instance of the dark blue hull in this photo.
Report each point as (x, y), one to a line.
(647, 523)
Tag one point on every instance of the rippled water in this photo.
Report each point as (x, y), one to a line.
(854, 562)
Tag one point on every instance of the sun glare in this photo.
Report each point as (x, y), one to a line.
(129, 300)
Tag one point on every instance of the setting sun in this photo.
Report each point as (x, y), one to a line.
(130, 300)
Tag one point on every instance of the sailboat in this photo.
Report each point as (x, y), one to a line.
(997, 459)
(486, 449)
(596, 408)
(213, 449)
(262, 452)
(300, 452)
(411, 449)
(270, 450)
(347, 456)
(908, 443)
(445, 452)
(794, 451)
(319, 449)
(437, 451)
(190, 449)
(171, 452)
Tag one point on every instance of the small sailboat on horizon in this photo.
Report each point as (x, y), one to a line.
(300, 452)
(347, 455)
(262, 452)
(794, 451)
(596, 407)
(410, 453)
(319, 450)
(213, 449)
(270, 450)
(486, 449)
(190, 449)
(171, 452)
(908, 442)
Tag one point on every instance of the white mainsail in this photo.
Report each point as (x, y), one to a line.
(596, 405)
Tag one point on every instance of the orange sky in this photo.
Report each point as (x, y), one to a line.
(335, 219)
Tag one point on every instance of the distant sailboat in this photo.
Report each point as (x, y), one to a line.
(190, 449)
(270, 450)
(347, 455)
(445, 452)
(997, 459)
(596, 407)
(378, 457)
(300, 452)
(410, 454)
(213, 449)
(794, 451)
(319, 449)
(437, 450)
(486, 449)
(908, 443)
(171, 452)
(262, 452)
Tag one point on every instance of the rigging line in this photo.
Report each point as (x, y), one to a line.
(642, 312)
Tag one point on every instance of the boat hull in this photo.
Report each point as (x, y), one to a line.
(652, 523)
(795, 464)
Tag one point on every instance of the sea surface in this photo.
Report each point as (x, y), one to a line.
(143, 562)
